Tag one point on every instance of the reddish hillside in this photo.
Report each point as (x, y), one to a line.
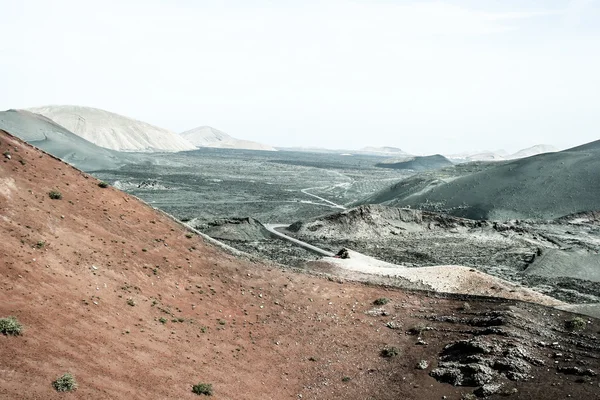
(91, 275)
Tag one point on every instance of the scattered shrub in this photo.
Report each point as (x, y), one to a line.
(381, 301)
(162, 320)
(103, 185)
(40, 244)
(389, 352)
(576, 324)
(130, 302)
(65, 383)
(203, 388)
(346, 379)
(189, 235)
(417, 330)
(55, 195)
(10, 326)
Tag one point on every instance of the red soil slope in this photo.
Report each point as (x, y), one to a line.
(91, 275)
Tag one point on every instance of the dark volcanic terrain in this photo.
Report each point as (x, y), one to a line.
(559, 258)
(418, 163)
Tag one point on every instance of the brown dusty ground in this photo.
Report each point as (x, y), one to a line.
(69, 268)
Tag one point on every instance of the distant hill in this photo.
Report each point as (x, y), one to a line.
(384, 151)
(114, 131)
(501, 155)
(206, 136)
(545, 186)
(60, 142)
(532, 151)
(365, 151)
(418, 163)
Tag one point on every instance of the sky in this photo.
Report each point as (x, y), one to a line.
(425, 76)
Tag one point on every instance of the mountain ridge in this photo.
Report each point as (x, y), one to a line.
(207, 136)
(113, 131)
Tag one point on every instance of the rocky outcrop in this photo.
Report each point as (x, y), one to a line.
(235, 229)
(376, 221)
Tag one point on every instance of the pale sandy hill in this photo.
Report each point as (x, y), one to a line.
(206, 136)
(114, 131)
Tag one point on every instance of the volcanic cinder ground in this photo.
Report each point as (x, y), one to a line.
(92, 275)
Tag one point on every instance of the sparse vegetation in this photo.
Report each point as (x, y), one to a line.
(389, 352)
(576, 324)
(130, 302)
(203, 388)
(103, 185)
(65, 383)
(162, 320)
(382, 301)
(40, 244)
(10, 326)
(394, 325)
(55, 195)
(346, 379)
(189, 235)
(417, 330)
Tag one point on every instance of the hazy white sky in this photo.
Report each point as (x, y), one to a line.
(425, 76)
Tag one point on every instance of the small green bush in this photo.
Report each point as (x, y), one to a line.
(202, 388)
(103, 185)
(130, 302)
(576, 324)
(10, 326)
(65, 383)
(381, 301)
(389, 352)
(162, 320)
(55, 195)
(346, 379)
(189, 235)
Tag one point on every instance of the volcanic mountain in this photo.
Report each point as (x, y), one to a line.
(206, 136)
(135, 305)
(500, 155)
(60, 142)
(544, 186)
(114, 131)
(417, 163)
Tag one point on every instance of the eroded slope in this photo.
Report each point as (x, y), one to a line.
(120, 295)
